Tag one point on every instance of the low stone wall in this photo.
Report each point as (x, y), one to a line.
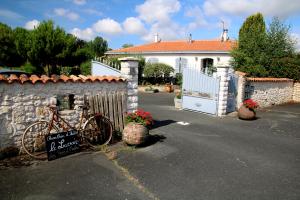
(269, 91)
(24, 100)
(296, 93)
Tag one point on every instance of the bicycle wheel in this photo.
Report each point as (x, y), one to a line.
(33, 139)
(97, 130)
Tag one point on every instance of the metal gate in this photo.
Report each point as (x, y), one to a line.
(232, 93)
(200, 91)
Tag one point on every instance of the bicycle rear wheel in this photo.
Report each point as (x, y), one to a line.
(97, 130)
(33, 139)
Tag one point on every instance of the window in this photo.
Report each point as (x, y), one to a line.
(65, 102)
(180, 63)
(207, 63)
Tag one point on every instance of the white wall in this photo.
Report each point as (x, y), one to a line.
(193, 59)
(100, 69)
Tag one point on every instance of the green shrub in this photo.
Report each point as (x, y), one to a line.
(86, 68)
(158, 71)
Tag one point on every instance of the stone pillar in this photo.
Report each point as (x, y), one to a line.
(129, 70)
(222, 74)
(240, 90)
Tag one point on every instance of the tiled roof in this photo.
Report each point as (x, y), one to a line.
(269, 79)
(55, 78)
(179, 46)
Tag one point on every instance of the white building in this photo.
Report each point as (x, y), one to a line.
(179, 54)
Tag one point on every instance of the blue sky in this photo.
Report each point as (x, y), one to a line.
(137, 21)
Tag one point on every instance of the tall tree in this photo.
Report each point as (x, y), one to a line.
(98, 46)
(22, 43)
(8, 53)
(47, 43)
(250, 55)
(127, 45)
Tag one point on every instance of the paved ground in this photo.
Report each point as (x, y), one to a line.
(210, 158)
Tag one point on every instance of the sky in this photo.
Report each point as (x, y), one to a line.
(138, 21)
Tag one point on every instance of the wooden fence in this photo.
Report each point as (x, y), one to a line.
(112, 105)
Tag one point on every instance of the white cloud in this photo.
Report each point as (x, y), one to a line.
(66, 13)
(168, 30)
(199, 19)
(79, 2)
(85, 34)
(245, 7)
(9, 14)
(107, 26)
(157, 10)
(134, 25)
(32, 24)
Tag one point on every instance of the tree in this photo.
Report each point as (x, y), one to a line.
(158, 71)
(127, 45)
(47, 43)
(98, 47)
(262, 52)
(250, 51)
(22, 43)
(8, 53)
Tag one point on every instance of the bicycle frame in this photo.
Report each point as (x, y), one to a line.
(61, 122)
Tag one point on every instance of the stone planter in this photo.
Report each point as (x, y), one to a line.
(178, 103)
(169, 88)
(246, 114)
(135, 134)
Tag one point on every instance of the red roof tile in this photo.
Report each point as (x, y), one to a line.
(179, 46)
(55, 78)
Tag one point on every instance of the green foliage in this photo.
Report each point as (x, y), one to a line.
(264, 53)
(98, 47)
(86, 68)
(158, 70)
(8, 52)
(251, 45)
(127, 45)
(178, 79)
(46, 49)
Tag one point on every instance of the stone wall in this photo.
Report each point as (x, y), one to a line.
(23, 104)
(269, 91)
(296, 93)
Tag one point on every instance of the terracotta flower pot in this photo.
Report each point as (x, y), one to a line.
(246, 114)
(169, 88)
(135, 134)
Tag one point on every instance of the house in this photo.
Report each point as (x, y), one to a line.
(178, 54)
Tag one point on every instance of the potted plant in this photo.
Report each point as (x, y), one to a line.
(169, 88)
(178, 100)
(136, 130)
(247, 110)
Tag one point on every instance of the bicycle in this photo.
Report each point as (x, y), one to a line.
(96, 130)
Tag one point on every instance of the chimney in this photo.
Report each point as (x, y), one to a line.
(156, 38)
(224, 36)
(190, 38)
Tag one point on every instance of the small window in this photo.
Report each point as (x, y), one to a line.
(65, 102)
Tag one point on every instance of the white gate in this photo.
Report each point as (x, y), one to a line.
(200, 91)
(232, 93)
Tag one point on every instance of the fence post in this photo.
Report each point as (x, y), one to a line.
(129, 70)
(222, 73)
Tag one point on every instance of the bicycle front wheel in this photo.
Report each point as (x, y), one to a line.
(33, 139)
(97, 130)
